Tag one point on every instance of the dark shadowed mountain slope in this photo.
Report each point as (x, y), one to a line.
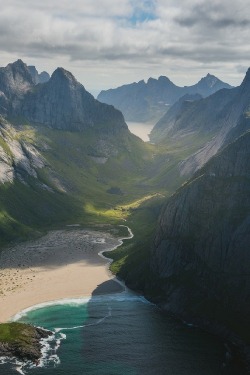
(149, 101)
(201, 256)
(198, 263)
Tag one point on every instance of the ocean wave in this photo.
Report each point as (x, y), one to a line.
(64, 301)
(49, 357)
(119, 297)
(51, 344)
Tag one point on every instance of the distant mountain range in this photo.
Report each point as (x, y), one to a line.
(149, 101)
(216, 120)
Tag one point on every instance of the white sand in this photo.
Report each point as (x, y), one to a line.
(62, 264)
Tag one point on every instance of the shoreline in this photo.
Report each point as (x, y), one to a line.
(63, 264)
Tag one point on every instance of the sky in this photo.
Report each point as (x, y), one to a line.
(107, 43)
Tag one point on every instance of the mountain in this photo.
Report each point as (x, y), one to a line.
(200, 255)
(197, 265)
(207, 85)
(61, 102)
(63, 155)
(149, 101)
(15, 81)
(208, 123)
(38, 77)
(162, 128)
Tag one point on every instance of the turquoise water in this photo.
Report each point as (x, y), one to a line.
(121, 334)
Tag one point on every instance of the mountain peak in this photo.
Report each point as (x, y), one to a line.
(212, 83)
(44, 77)
(18, 63)
(247, 77)
(15, 78)
(210, 80)
(18, 66)
(164, 79)
(63, 73)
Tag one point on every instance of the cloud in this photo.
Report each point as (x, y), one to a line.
(215, 16)
(146, 36)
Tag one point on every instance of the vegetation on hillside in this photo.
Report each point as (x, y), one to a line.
(82, 173)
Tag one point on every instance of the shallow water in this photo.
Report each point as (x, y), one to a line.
(121, 334)
(117, 334)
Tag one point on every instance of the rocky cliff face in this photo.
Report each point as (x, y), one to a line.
(19, 158)
(200, 258)
(149, 101)
(63, 103)
(60, 102)
(15, 81)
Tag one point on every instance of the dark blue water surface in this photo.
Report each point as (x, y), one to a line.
(121, 334)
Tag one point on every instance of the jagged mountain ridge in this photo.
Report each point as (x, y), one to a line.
(61, 102)
(77, 109)
(148, 101)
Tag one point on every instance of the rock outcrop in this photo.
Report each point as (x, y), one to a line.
(15, 81)
(200, 258)
(149, 101)
(23, 342)
(19, 158)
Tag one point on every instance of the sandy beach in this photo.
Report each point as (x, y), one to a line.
(62, 264)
